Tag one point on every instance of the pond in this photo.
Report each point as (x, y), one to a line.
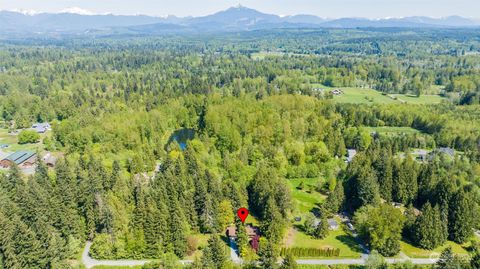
(181, 136)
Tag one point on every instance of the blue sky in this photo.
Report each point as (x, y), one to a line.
(324, 8)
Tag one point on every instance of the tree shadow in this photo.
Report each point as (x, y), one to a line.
(351, 242)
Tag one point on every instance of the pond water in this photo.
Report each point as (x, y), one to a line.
(181, 136)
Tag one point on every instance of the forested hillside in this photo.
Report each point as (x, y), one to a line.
(260, 112)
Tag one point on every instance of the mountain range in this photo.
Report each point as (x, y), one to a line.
(233, 19)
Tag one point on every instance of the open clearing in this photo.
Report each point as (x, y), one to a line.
(422, 99)
(308, 198)
(349, 248)
(357, 95)
(12, 142)
(414, 252)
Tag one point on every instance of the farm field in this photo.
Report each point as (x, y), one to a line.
(369, 96)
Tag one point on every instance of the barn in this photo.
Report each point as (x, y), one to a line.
(24, 158)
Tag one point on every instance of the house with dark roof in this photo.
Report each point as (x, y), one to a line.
(41, 127)
(20, 158)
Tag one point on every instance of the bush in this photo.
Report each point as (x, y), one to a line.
(28, 137)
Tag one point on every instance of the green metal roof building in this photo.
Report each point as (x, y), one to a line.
(18, 158)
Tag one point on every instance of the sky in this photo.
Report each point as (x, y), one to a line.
(323, 8)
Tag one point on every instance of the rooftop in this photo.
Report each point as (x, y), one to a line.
(20, 156)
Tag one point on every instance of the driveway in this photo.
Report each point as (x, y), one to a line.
(234, 252)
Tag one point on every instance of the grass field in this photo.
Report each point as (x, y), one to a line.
(336, 239)
(262, 55)
(370, 96)
(414, 252)
(306, 199)
(363, 96)
(423, 99)
(12, 142)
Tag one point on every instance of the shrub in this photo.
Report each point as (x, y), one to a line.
(28, 137)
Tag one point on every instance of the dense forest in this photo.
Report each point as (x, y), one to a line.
(255, 121)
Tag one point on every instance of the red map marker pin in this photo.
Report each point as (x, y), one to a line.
(242, 213)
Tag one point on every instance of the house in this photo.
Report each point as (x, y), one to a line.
(448, 151)
(333, 224)
(336, 92)
(351, 154)
(252, 231)
(20, 158)
(421, 155)
(442, 151)
(41, 127)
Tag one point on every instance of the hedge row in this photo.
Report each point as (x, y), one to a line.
(311, 252)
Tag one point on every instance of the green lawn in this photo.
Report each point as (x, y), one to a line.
(308, 198)
(201, 241)
(423, 99)
(369, 96)
(362, 96)
(12, 141)
(336, 239)
(414, 252)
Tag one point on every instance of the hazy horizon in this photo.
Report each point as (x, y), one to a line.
(322, 8)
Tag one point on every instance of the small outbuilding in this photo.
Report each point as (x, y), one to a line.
(333, 224)
(351, 155)
(49, 160)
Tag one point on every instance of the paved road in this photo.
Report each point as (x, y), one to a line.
(362, 261)
(89, 262)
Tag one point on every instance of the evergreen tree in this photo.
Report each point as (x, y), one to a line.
(178, 231)
(384, 168)
(289, 262)
(214, 254)
(448, 260)
(322, 229)
(367, 188)
(461, 217)
(429, 228)
(335, 200)
(309, 224)
(267, 253)
(242, 238)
